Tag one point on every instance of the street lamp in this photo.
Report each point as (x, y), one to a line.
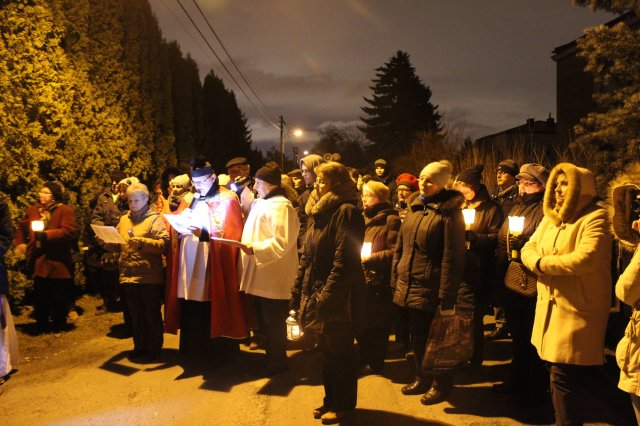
(296, 132)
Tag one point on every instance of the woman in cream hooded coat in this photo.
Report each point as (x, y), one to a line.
(571, 253)
(624, 219)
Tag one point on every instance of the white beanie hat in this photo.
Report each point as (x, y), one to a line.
(438, 173)
(182, 180)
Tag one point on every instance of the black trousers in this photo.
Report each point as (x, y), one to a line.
(373, 347)
(145, 304)
(527, 369)
(53, 297)
(339, 366)
(419, 325)
(273, 313)
(195, 334)
(568, 382)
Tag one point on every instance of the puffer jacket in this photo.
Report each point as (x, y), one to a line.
(329, 284)
(142, 263)
(381, 230)
(623, 192)
(506, 198)
(429, 257)
(571, 253)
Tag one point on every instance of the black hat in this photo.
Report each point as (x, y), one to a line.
(56, 188)
(237, 160)
(509, 166)
(117, 175)
(380, 162)
(472, 176)
(295, 173)
(270, 173)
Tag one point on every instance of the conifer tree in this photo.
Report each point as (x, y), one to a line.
(610, 135)
(226, 132)
(399, 109)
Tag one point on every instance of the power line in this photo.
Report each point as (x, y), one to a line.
(244, 78)
(186, 30)
(225, 67)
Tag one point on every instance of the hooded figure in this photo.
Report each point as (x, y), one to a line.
(571, 254)
(623, 211)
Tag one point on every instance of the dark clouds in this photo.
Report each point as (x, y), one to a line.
(488, 63)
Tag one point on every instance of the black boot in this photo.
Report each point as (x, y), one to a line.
(418, 386)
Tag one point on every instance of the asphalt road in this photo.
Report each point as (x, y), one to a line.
(83, 378)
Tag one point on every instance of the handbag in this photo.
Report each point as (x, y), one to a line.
(521, 280)
(450, 342)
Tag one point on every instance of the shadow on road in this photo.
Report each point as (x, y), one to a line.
(384, 418)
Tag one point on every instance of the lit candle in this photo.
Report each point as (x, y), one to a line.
(516, 226)
(37, 225)
(365, 253)
(469, 217)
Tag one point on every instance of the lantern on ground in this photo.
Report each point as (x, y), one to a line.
(294, 331)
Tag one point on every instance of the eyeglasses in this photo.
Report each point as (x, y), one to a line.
(43, 192)
(527, 183)
(201, 181)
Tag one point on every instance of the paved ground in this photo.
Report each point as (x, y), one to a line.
(82, 377)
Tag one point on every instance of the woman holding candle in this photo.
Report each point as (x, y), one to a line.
(46, 234)
(328, 290)
(570, 251)
(481, 237)
(528, 377)
(427, 269)
(381, 223)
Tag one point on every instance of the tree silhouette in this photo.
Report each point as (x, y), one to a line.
(399, 108)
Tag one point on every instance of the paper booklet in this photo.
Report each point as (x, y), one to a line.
(229, 242)
(179, 222)
(108, 234)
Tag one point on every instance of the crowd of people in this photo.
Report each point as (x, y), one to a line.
(353, 257)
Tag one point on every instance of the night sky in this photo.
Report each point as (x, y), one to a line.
(488, 63)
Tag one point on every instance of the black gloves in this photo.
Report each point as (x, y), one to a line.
(516, 242)
(470, 236)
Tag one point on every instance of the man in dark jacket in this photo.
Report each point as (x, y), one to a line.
(383, 174)
(427, 269)
(111, 205)
(505, 194)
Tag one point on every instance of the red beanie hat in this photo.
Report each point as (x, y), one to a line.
(408, 180)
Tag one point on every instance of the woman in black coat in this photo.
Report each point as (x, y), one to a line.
(427, 269)
(528, 374)
(482, 239)
(329, 286)
(381, 231)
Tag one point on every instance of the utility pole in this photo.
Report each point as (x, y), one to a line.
(281, 143)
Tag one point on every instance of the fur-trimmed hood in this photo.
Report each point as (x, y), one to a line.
(623, 190)
(343, 193)
(444, 202)
(581, 193)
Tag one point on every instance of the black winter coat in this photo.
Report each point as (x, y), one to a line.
(329, 285)
(480, 266)
(529, 206)
(381, 230)
(429, 257)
